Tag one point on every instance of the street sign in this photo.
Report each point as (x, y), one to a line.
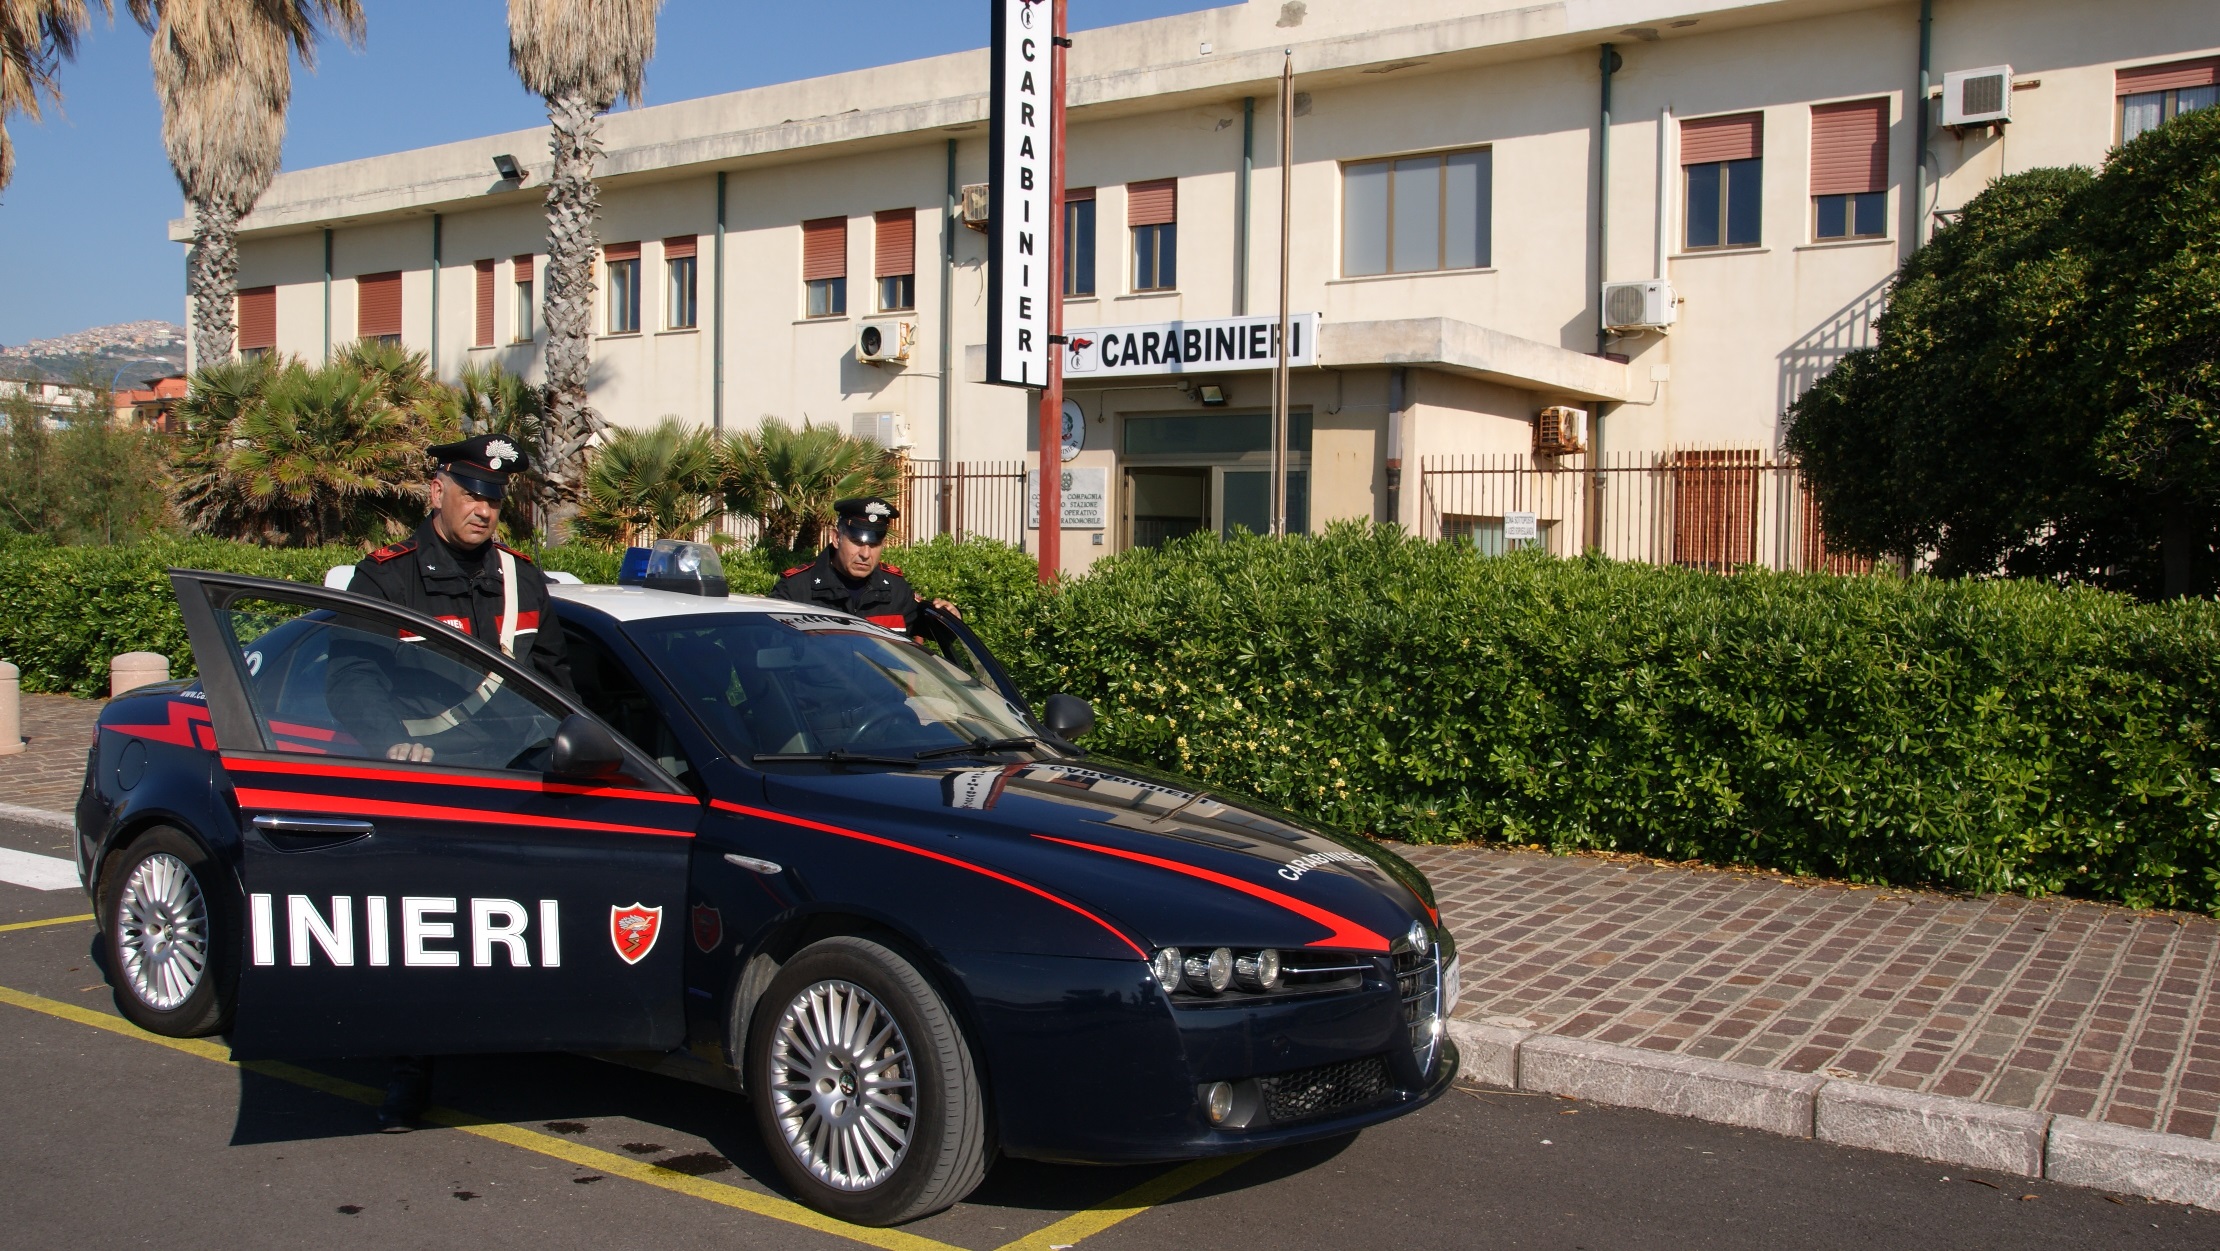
(1020, 147)
(1521, 527)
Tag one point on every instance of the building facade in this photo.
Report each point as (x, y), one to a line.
(1469, 179)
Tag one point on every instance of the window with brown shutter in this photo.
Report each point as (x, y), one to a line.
(1152, 215)
(378, 306)
(621, 286)
(680, 245)
(257, 320)
(680, 260)
(1850, 169)
(523, 314)
(482, 330)
(825, 266)
(1722, 162)
(1079, 241)
(894, 258)
(2151, 94)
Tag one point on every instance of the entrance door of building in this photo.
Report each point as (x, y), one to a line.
(1165, 504)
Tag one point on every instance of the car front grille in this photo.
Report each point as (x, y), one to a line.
(1418, 981)
(1329, 1088)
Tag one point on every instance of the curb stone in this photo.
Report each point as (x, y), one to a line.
(1935, 1127)
(37, 816)
(1968, 1132)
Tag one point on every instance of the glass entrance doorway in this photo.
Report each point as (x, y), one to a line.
(1209, 472)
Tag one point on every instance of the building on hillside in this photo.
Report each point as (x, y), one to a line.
(55, 402)
(152, 406)
(1478, 189)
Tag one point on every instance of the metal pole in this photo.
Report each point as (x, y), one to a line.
(1279, 348)
(435, 294)
(717, 319)
(1052, 395)
(948, 228)
(1241, 207)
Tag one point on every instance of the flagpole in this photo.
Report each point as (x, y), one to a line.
(1052, 393)
(1279, 365)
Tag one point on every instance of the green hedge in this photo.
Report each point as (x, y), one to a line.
(1990, 736)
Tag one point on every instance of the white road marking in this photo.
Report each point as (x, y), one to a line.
(38, 872)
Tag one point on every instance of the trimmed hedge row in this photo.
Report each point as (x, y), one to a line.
(1989, 736)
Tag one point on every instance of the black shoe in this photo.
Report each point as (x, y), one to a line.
(406, 1095)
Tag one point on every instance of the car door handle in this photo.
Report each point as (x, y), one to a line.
(314, 827)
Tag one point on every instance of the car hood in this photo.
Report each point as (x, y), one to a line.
(1169, 861)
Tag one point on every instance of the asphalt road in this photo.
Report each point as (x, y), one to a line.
(109, 1138)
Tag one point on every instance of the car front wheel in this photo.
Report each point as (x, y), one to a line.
(165, 934)
(863, 1086)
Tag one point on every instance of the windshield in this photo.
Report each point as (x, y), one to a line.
(802, 683)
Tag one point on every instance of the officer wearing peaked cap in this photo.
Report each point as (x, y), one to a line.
(849, 575)
(453, 569)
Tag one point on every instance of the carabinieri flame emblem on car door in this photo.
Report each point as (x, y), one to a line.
(632, 931)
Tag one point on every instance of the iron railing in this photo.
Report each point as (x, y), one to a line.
(968, 500)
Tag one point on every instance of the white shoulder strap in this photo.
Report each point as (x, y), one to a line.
(508, 603)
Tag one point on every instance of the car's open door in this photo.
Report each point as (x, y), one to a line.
(946, 634)
(418, 879)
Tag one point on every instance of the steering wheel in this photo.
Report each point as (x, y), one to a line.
(878, 721)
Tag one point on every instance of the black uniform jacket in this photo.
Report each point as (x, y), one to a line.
(884, 597)
(423, 573)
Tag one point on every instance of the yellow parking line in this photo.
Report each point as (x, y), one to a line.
(1159, 1189)
(1070, 1230)
(530, 1140)
(32, 925)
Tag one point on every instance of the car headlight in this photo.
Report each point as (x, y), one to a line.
(1166, 964)
(1214, 970)
(1257, 970)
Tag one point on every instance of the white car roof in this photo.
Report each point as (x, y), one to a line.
(637, 603)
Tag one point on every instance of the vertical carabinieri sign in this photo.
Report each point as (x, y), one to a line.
(1020, 210)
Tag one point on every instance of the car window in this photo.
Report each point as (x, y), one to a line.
(801, 682)
(327, 684)
(610, 692)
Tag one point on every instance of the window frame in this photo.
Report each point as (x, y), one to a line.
(1158, 243)
(611, 267)
(835, 293)
(1079, 246)
(1483, 242)
(2169, 108)
(1725, 219)
(903, 289)
(1851, 213)
(523, 308)
(681, 302)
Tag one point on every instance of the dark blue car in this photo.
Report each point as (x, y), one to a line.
(767, 847)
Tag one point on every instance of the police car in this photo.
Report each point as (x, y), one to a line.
(772, 848)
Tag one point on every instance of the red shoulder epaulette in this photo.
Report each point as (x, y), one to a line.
(393, 550)
(791, 572)
(512, 551)
(896, 570)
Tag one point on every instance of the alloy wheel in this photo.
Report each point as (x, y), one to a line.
(162, 932)
(843, 1086)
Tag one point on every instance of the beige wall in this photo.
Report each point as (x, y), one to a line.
(1756, 325)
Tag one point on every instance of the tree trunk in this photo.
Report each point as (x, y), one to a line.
(211, 276)
(573, 205)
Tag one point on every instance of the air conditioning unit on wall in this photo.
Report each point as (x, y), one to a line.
(1639, 305)
(1559, 430)
(975, 206)
(884, 429)
(885, 342)
(1977, 97)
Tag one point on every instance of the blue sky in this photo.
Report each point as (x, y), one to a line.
(81, 228)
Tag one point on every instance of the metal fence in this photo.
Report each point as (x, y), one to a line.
(1717, 509)
(968, 500)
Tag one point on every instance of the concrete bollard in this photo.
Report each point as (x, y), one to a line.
(132, 670)
(11, 709)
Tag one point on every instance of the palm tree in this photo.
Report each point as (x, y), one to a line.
(660, 481)
(36, 36)
(789, 478)
(223, 70)
(579, 56)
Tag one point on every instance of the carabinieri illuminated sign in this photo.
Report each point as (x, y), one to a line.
(1019, 151)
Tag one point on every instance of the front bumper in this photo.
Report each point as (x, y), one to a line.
(1088, 1061)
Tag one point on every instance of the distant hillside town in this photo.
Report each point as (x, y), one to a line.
(132, 352)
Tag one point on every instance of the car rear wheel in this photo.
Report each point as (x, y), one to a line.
(166, 935)
(863, 1086)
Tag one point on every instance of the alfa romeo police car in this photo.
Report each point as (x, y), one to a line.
(768, 847)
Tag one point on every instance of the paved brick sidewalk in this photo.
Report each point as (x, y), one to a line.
(2075, 1008)
(51, 769)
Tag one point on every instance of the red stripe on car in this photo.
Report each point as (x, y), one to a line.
(349, 806)
(178, 730)
(1346, 933)
(480, 781)
(1028, 887)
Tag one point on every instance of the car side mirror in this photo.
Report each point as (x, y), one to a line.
(1067, 716)
(583, 749)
